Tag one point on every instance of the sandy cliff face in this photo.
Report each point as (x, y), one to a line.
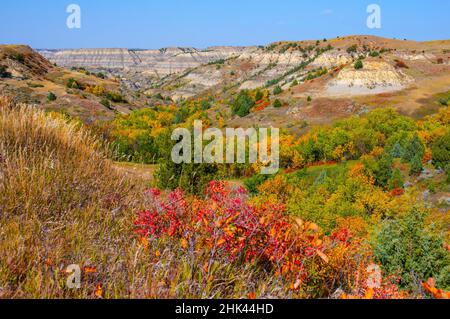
(154, 62)
(332, 58)
(375, 77)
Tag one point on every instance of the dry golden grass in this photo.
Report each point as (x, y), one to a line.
(63, 202)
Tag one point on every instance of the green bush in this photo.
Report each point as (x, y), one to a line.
(51, 97)
(441, 151)
(277, 90)
(359, 65)
(277, 103)
(205, 105)
(115, 97)
(243, 104)
(19, 57)
(404, 247)
(259, 95)
(352, 49)
(3, 72)
(416, 166)
(106, 103)
(396, 180)
(73, 84)
(190, 177)
(252, 183)
(414, 151)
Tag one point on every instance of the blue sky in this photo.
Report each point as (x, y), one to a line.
(202, 23)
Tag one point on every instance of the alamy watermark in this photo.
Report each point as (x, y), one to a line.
(229, 148)
(374, 19)
(74, 19)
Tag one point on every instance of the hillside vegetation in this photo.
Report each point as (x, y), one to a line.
(62, 202)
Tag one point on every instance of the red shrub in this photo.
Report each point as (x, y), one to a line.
(225, 226)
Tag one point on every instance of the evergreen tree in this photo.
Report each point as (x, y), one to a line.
(397, 151)
(414, 149)
(416, 165)
(396, 180)
(383, 170)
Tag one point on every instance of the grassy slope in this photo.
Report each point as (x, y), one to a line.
(61, 203)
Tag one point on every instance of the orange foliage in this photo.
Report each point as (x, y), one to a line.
(430, 287)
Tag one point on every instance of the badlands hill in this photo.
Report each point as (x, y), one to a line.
(318, 78)
(27, 77)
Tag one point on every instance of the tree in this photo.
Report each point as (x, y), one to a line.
(51, 97)
(309, 99)
(405, 247)
(414, 149)
(277, 90)
(397, 150)
(190, 177)
(441, 151)
(416, 165)
(259, 95)
(277, 103)
(383, 170)
(359, 65)
(396, 181)
(321, 179)
(243, 104)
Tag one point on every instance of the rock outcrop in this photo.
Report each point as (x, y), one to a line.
(154, 62)
(375, 77)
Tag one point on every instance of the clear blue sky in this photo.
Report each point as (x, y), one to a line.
(202, 23)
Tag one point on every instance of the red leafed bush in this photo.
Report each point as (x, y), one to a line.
(224, 226)
(401, 64)
(397, 192)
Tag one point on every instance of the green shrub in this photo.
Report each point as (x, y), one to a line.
(73, 84)
(277, 103)
(106, 103)
(396, 180)
(405, 248)
(243, 104)
(441, 151)
(414, 150)
(277, 90)
(205, 105)
(19, 57)
(416, 166)
(252, 183)
(352, 49)
(115, 97)
(259, 95)
(358, 65)
(3, 72)
(51, 97)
